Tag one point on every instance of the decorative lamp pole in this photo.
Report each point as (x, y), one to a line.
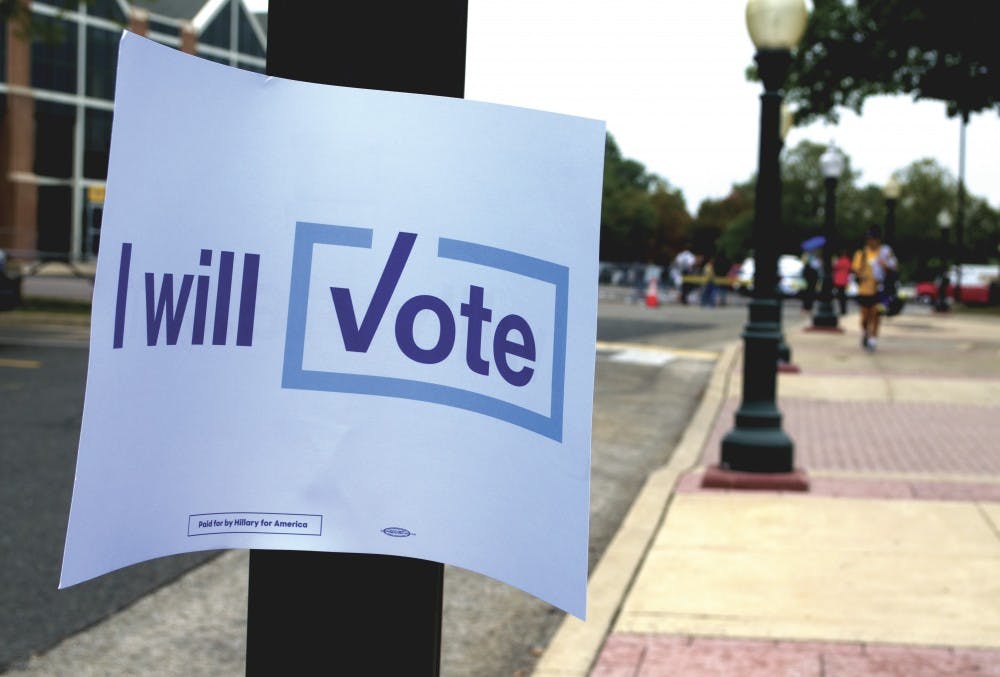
(960, 210)
(944, 222)
(784, 350)
(757, 452)
(891, 193)
(831, 163)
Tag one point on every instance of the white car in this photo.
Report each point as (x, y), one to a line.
(790, 280)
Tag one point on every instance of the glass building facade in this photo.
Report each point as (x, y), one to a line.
(56, 108)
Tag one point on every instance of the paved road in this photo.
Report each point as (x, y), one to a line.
(643, 399)
(42, 373)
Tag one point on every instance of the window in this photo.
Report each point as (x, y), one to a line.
(93, 215)
(247, 66)
(216, 33)
(108, 9)
(96, 143)
(165, 28)
(53, 55)
(54, 139)
(55, 207)
(249, 43)
(102, 57)
(217, 59)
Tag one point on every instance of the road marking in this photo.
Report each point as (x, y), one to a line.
(649, 351)
(19, 364)
(647, 357)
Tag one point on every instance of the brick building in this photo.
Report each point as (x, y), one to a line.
(56, 105)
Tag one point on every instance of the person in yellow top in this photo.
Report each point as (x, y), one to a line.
(869, 267)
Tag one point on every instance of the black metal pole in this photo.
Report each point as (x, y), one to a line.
(941, 305)
(890, 221)
(960, 210)
(319, 612)
(784, 350)
(757, 443)
(826, 317)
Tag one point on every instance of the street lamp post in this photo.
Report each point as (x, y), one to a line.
(785, 364)
(960, 210)
(757, 452)
(831, 163)
(944, 222)
(891, 193)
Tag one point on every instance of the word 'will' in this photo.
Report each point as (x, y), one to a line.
(166, 306)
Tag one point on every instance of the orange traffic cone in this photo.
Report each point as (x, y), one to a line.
(652, 300)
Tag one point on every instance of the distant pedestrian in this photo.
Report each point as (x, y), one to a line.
(869, 266)
(683, 265)
(841, 278)
(810, 274)
(727, 273)
(637, 280)
(709, 286)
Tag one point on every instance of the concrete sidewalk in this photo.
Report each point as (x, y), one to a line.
(888, 565)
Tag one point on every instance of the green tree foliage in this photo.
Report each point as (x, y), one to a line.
(927, 188)
(643, 218)
(671, 224)
(725, 225)
(930, 49)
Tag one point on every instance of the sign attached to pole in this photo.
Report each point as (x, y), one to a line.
(342, 320)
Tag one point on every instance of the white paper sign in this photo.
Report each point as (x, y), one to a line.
(343, 320)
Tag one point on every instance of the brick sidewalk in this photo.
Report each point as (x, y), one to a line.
(633, 655)
(918, 420)
(882, 437)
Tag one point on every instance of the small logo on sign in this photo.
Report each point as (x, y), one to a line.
(397, 532)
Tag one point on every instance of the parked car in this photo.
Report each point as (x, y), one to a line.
(976, 280)
(790, 280)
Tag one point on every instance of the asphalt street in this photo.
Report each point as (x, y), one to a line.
(652, 366)
(42, 374)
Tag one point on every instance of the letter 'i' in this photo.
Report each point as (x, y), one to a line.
(201, 301)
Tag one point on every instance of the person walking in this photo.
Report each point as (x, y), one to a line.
(841, 277)
(709, 287)
(683, 264)
(810, 273)
(869, 266)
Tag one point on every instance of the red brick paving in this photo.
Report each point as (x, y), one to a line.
(876, 443)
(634, 655)
(899, 437)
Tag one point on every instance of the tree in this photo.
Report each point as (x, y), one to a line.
(626, 214)
(642, 216)
(853, 49)
(713, 228)
(672, 222)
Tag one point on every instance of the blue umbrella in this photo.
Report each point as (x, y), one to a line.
(814, 242)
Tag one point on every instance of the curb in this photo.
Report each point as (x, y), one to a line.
(576, 644)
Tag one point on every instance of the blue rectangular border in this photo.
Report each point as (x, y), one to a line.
(295, 377)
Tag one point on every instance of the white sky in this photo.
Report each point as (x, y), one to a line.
(668, 80)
